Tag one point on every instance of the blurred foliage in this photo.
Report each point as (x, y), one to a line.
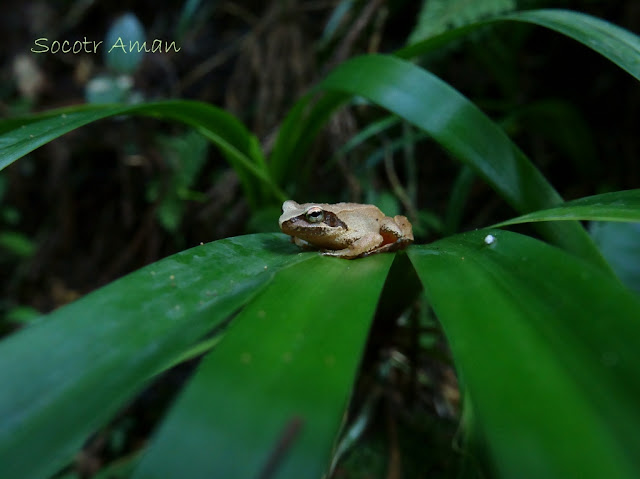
(185, 157)
(438, 16)
(125, 44)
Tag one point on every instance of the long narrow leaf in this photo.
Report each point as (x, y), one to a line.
(66, 375)
(458, 125)
(21, 136)
(615, 206)
(269, 400)
(620, 46)
(548, 348)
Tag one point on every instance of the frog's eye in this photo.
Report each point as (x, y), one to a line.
(314, 215)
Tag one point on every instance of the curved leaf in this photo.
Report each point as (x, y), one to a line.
(269, 400)
(613, 42)
(548, 348)
(614, 206)
(458, 125)
(620, 46)
(21, 136)
(65, 375)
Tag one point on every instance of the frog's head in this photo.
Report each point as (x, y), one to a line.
(311, 222)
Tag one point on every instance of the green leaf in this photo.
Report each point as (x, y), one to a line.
(373, 129)
(65, 375)
(459, 126)
(21, 314)
(614, 206)
(337, 18)
(269, 400)
(548, 349)
(185, 156)
(17, 244)
(21, 136)
(620, 46)
(615, 43)
(191, 12)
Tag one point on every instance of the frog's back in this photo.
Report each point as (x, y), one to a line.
(359, 217)
(347, 207)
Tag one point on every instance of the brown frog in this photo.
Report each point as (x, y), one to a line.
(345, 230)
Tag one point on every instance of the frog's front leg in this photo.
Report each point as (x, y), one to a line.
(361, 246)
(305, 245)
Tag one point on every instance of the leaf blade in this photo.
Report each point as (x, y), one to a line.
(459, 126)
(21, 136)
(547, 346)
(614, 206)
(620, 46)
(96, 353)
(301, 363)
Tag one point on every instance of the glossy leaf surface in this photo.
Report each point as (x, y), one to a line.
(66, 374)
(459, 126)
(611, 41)
(620, 46)
(548, 348)
(614, 206)
(269, 400)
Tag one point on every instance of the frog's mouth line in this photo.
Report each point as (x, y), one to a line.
(310, 231)
(330, 220)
